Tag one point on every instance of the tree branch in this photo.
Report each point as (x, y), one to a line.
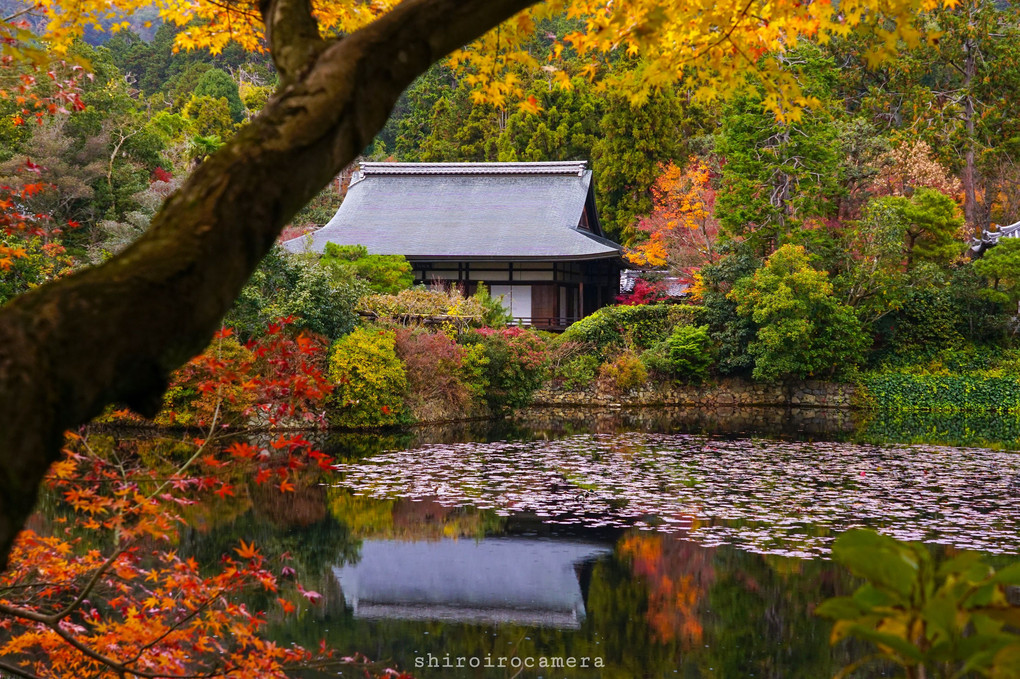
(293, 36)
(16, 671)
(113, 333)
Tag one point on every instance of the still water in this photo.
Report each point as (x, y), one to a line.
(649, 544)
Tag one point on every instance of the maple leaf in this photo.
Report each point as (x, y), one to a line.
(247, 551)
(313, 597)
(287, 606)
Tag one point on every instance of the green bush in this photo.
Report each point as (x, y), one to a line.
(802, 329)
(639, 326)
(370, 380)
(509, 368)
(685, 314)
(690, 352)
(386, 274)
(926, 322)
(286, 285)
(580, 371)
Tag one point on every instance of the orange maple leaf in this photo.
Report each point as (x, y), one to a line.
(247, 551)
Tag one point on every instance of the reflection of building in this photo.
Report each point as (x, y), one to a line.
(529, 231)
(524, 581)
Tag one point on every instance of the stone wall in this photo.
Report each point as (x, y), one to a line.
(794, 421)
(726, 392)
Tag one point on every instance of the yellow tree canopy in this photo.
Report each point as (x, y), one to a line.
(708, 44)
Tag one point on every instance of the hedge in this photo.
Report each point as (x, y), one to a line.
(640, 326)
(941, 393)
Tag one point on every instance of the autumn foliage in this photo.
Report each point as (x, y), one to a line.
(682, 228)
(677, 575)
(99, 587)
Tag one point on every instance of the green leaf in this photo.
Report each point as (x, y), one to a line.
(1007, 663)
(886, 563)
(1010, 575)
(840, 608)
(898, 644)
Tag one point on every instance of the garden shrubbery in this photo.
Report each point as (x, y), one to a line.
(687, 354)
(623, 373)
(436, 378)
(420, 305)
(370, 380)
(423, 354)
(286, 286)
(510, 365)
(638, 326)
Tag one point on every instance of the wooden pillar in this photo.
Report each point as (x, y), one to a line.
(580, 299)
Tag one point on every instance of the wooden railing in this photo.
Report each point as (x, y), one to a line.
(545, 322)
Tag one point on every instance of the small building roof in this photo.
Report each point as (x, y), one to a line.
(468, 211)
(990, 239)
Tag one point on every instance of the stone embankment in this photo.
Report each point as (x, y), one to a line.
(738, 393)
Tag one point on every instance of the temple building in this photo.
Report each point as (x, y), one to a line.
(528, 231)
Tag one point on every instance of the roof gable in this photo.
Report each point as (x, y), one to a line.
(468, 211)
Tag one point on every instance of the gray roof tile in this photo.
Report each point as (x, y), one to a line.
(466, 211)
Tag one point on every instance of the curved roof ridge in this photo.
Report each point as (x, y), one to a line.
(563, 167)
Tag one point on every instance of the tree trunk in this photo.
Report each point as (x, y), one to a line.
(969, 171)
(112, 334)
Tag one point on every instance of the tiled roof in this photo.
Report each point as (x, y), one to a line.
(991, 238)
(467, 211)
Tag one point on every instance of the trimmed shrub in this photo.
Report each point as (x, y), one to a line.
(618, 326)
(370, 380)
(386, 274)
(690, 352)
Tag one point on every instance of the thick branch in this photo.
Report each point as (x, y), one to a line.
(293, 36)
(113, 333)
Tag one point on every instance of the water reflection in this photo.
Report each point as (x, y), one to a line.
(654, 606)
(497, 580)
(777, 497)
(663, 555)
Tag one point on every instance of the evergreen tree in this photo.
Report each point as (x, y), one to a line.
(216, 83)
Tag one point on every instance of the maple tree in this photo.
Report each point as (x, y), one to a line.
(682, 228)
(98, 586)
(113, 333)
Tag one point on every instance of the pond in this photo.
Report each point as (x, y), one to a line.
(616, 544)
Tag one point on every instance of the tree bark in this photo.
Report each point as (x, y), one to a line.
(112, 334)
(969, 178)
